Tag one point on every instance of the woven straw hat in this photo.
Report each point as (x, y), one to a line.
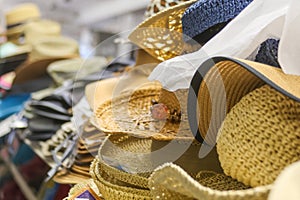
(18, 16)
(161, 33)
(68, 69)
(219, 83)
(41, 28)
(171, 182)
(110, 188)
(260, 136)
(45, 51)
(130, 113)
(132, 160)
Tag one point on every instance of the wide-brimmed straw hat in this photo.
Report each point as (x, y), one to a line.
(172, 182)
(220, 82)
(260, 136)
(45, 51)
(130, 113)
(160, 34)
(131, 160)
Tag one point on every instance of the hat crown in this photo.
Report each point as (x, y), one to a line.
(157, 6)
(53, 47)
(22, 13)
(206, 13)
(260, 137)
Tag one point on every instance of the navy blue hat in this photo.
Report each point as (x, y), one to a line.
(268, 53)
(205, 14)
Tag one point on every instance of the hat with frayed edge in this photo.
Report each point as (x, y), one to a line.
(161, 34)
(220, 82)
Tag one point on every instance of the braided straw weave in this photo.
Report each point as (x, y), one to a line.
(111, 188)
(130, 114)
(260, 137)
(171, 182)
(161, 34)
(131, 160)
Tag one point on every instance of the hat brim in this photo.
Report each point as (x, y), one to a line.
(129, 113)
(172, 181)
(33, 70)
(164, 28)
(220, 82)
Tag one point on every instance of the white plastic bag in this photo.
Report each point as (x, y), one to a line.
(261, 20)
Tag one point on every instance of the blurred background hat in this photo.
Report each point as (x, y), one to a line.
(45, 51)
(18, 16)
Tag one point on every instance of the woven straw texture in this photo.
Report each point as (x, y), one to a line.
(111, 188)
(161, 34)
(223, 86)
(132, 160)
(171, 182)
(130, 114)
(260, 137)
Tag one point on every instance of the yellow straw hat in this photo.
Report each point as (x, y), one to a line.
(45, 51)
(259, 137)
(18, 16)
(172, 182)
(41, 28)
(220, 82)
(161, 33)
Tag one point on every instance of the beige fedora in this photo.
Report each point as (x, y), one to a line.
(75, 68)
(37, 29)
(220, 82)
(18, 16)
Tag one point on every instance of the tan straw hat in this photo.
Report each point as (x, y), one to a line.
(220, 82)
(130, 113)
(260, 136)
(45, 51)
(132, 160)
(41, 28)
(161, 33)
(172, 182)
(18, 16)
(110, 188)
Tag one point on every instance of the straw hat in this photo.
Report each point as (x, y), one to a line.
(45, 51)
(75, 68)
(171, 182)
(161, 33)
(18, 16)
(219, 83)
(130, 113)
(131, 160)
(41, 28)
(260, 136)
(110, 188)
